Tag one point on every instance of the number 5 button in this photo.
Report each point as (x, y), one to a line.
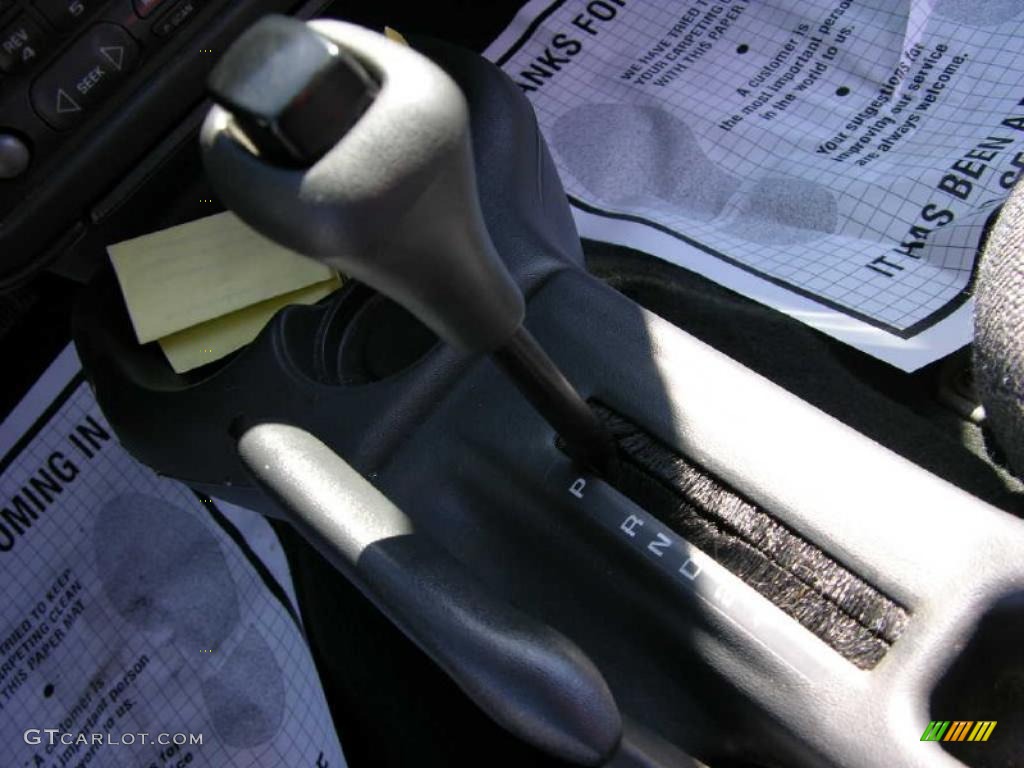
(65, 15)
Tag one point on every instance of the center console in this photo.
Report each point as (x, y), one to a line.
(754, 582)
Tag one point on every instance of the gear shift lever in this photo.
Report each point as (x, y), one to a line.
(354, 150)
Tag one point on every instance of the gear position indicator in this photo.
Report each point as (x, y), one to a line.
(693, 572)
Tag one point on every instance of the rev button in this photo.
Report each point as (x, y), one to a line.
(87, 72)
(21, 44)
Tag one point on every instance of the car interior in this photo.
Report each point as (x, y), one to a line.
(546, 500)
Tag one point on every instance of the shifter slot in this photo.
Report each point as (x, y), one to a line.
(850, 615)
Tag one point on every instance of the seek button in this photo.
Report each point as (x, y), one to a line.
(87, 72)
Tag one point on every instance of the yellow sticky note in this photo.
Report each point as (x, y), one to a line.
(394, 34)
(187, 275)
(209, 341)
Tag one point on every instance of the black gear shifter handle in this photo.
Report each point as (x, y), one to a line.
(354, 150)
(292, 92)
(393, 200)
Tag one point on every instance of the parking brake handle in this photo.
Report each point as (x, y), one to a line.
(354, 150)
(528, 677)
